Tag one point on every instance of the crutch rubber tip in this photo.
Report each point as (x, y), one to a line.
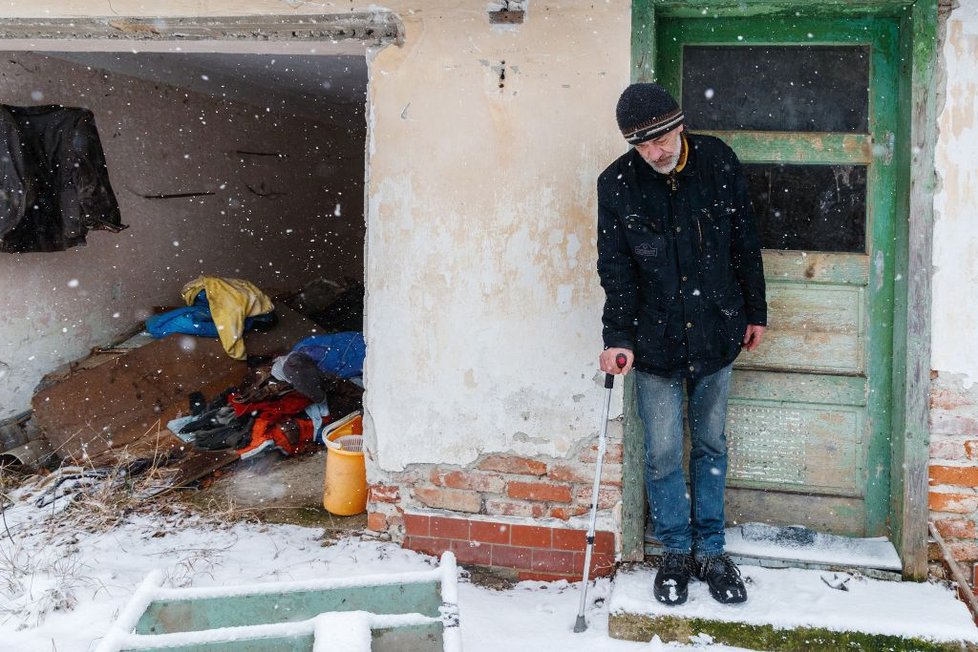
(580, 625)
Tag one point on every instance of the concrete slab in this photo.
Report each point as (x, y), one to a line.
(796, 609)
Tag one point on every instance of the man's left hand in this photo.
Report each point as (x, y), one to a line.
(753, 336)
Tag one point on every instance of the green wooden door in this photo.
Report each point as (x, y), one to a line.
(809, 105)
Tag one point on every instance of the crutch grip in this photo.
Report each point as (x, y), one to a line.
(609, 379)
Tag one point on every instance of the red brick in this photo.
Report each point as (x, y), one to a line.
(959, 476)
(449, 528)
(971, 449)
(565, 513)
(964, 550)
(531, 536)
(513, 464)
(384, 493)
(556, 561)
(417, 525)
(613, 454)
(957, 528)
(454, 500)
(542, 491)
(499, 507)
(601, 565)
(569, 473)
(955, 503)
(489, 532)
(473, 480)
(428, 545)
(564, 539)
(608, 497)
(472, 552)
(376, 522)
(604, 543)
(511, 557)
(946, 449)
(974, 575)
(610, 474)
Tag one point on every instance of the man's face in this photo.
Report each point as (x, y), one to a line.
(662, 153)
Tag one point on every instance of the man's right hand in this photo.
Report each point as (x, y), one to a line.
(608, 364)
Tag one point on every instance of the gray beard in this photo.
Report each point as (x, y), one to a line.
(669, 166)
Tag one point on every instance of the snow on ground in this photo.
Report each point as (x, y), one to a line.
(62, 587)
(74, 547)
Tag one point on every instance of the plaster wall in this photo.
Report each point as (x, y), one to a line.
(955, 302)
(485, 146)
(162, 139)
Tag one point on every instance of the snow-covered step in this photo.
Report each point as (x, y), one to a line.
(401, 611)
(797, 609)
(758, 544)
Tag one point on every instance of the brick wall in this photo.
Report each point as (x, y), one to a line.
(505, 511)
(953, 472)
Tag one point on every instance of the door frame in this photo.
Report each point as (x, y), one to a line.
(913, 153)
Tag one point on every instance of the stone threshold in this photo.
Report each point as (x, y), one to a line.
(797, 610)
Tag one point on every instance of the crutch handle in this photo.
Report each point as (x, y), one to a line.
(609, 379)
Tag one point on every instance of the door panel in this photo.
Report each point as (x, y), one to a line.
(802, 448)
(812, 328)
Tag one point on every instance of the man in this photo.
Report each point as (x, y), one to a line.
(680, 262)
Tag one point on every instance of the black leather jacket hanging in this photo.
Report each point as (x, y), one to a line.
(54, 184)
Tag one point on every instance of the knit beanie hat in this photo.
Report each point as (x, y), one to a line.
(646, 111)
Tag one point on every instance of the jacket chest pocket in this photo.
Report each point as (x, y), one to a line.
(712, 223)
(646, 240)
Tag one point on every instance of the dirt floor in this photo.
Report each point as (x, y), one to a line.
(274, 489)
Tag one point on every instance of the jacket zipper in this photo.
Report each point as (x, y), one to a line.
(699, 230)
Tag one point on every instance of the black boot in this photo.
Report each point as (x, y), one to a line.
(723, 577)
(672, 578)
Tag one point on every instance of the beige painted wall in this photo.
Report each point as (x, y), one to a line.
(482, 199)
(160, 139)
(955, 306)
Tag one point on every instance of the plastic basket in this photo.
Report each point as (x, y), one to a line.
(349, 443)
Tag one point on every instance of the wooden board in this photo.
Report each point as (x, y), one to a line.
(816, 328)
(132, 396)
(833, 514)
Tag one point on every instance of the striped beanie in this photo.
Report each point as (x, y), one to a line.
(646, 111)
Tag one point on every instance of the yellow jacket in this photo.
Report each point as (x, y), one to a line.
(231, 301)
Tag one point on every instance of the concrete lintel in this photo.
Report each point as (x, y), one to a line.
(373, 28)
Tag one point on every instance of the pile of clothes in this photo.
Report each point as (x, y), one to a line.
(285, 405)
(225, 308)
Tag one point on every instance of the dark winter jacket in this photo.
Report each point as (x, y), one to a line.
(54, 185)
(680, 261)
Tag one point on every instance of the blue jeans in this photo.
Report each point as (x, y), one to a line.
(685, 522)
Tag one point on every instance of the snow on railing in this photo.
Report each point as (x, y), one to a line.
(356, 625)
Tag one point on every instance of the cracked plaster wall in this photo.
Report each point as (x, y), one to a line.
(486, 143)
(955, 303)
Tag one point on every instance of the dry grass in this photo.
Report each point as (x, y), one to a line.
(42, 516)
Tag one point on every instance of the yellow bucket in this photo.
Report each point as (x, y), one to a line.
(345, 482)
